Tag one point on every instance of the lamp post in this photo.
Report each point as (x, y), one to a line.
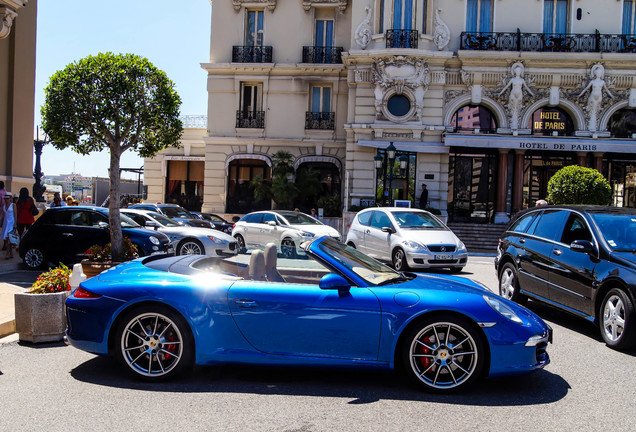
(381, 168)
(38, 188)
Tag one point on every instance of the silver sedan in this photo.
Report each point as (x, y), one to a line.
(186, 240)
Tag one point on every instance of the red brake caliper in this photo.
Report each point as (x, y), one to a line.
(424, 361)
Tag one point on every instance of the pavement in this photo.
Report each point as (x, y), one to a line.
(7, 290)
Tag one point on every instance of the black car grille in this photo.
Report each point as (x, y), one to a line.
(442, 261)
(233, 246)
(441, 248)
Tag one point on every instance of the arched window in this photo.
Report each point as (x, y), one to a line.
(622, 124)
(549, 121)
(240, 191)
(317, 180)
(474, 118)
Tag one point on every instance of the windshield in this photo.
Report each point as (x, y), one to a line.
(297, 218)
(416, 220)
(167, 222)
(619, 230)
(127, 222)
(372, 271)
(177, 212)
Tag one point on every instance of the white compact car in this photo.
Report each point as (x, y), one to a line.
(407, 238)
(285, 228)
(187, 240)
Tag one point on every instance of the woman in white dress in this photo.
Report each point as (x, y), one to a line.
(9, 222)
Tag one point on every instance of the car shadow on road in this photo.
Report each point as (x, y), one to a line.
(540, 387)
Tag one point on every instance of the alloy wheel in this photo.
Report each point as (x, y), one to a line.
(613, 318)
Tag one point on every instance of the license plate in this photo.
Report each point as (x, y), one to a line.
(443, 257)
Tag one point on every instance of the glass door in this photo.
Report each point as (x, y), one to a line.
(472, 187)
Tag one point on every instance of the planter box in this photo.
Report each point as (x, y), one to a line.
(92, 269)
(40, 317)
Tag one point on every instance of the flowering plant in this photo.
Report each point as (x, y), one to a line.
(52, 281)
(97, 253)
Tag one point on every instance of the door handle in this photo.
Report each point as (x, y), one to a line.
(67, 234)
(557, 251)
(522, 241)
(367, 231)
(245, 303)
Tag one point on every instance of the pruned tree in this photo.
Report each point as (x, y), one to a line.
(579, 185)
(114, 102)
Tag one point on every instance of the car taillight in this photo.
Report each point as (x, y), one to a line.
(82, 293)
(233, 226)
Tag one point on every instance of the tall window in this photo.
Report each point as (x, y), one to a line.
(628, 16)
(254, 28)
(424, 14)
(320, 99)
(381, 17)
(324, 33)
(479, 16)
(555, 16)
(403, 14)
(251, 97)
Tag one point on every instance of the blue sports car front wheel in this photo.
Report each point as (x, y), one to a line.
(154, 343)
(443, 354)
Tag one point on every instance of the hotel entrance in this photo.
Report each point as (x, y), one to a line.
(537, 171)
(472, 184)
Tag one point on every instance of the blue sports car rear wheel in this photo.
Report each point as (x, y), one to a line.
(443, 354)
(154, 343)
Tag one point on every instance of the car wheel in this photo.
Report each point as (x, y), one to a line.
(509, 284)
(351, 244)
(399, 260)
(154, 343)
(34, 258)
(616, 319)
(240, 241)
(190, 247)
(288, 248)
(456, 269)
(443, 354)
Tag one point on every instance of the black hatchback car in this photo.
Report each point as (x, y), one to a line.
(581, 259)
(65, 233)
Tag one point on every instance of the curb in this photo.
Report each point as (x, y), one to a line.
(7, 328)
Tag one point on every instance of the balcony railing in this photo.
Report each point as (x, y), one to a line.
(251, 54)
(250, 119)
(322, 54)
(548, 42)
(320, 120)
(399, 38)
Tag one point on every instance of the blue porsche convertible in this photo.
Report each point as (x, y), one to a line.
(339, 308)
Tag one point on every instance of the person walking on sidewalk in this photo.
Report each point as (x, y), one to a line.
(25, 208)
(9, 223)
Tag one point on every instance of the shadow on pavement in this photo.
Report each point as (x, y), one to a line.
(540, 387)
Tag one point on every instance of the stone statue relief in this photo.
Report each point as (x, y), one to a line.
(363, 31)
(515, 99)
(595, 99)
(441, 33)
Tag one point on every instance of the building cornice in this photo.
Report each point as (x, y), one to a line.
(7, 15)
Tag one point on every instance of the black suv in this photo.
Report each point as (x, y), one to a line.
(174, 212)
(581, 259)
(65, 233)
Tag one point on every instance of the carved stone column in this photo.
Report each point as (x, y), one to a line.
(581, 159)
(501, 216)
(517, 181)
(598, 162)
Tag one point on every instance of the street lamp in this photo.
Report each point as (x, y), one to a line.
(382, 169)
(38, 144)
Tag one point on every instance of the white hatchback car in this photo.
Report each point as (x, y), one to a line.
(407, 238)
(287, 229)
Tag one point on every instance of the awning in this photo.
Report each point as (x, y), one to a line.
(408, 146)
(542, 143)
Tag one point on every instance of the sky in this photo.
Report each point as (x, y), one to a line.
(173, 35)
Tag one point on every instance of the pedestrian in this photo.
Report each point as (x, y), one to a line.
(57, 200)
(3, 192)
(541, 202)
(8, 223)
(26, 209)
(313, 213)
(69, 200)
(423, 197)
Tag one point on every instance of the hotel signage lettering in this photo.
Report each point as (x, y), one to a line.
(549, 121)
(557, 146)
(530, 143)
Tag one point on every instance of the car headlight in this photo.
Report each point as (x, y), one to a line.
(154, 240)
(413, 244)
(502, 309)
(461, 246)
(307, 234)
(215, 239)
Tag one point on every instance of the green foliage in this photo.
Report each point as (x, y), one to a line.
(262, 188)
(116, 102)
(97, 253)
(579, 185)
(52, 281)
(331, 205)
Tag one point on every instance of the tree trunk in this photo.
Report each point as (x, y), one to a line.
(113, 205)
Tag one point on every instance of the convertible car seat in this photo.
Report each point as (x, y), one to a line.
(257, 265)
(271, 258)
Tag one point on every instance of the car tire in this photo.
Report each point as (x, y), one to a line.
(190, 247)
(616, 320)
(509, 284)
(154, 343)
(399, 260)
(288, 248)
(443, 354)
(240, 241)
(351, 244)
(34, 258)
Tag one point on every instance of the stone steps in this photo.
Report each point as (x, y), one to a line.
(478, 237)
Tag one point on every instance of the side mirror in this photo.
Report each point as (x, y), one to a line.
(388, 229)
(333, 281)
(584, 246)
(103, 225)
(271, 223)
(151, 224)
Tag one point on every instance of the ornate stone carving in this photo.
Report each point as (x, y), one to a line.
(517, 83)
(596, 85)
(441, 32)
(340, 4)
(269, 4)
(6, 21)
(363, 31)
(400, 75)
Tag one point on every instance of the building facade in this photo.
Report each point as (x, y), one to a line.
(17, 92)
(482, 100)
